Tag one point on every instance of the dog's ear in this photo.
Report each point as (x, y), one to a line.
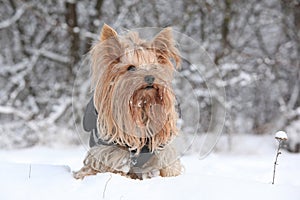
(164, 44)
(164, 38)
(107, 32)
(110, 42)
(105, 52)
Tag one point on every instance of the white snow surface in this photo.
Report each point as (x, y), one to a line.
(245, 172)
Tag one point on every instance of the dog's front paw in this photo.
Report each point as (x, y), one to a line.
(174, 169)
(83, 172)
(150, 174)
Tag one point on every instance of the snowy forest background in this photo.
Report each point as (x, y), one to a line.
(44, 78)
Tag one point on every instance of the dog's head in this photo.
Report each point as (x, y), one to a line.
(131, 79)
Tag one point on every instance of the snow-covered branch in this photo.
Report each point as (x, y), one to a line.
(14, 68)
(49, 54)
(59, 110)
(18, 14)
(15, 111)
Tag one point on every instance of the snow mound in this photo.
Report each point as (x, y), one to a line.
(46, 173)
(56, 182)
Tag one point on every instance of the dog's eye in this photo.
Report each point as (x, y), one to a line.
(131, 68)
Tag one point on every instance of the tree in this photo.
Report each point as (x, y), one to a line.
(255, 45)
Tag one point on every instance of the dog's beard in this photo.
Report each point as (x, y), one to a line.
(149, 108)
(139, 113)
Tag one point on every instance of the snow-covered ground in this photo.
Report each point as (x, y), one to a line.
(243, 173)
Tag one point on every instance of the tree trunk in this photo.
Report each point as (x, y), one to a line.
(71, 20)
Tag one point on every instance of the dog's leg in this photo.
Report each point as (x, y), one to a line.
(84, 171)
(174, 169)
(103, 158)
(169, 162)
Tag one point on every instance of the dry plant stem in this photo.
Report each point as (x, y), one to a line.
(275, 163)
(103, 195)
(29, 174)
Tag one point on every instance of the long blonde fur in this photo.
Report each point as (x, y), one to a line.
(117, 96)
(130, 113)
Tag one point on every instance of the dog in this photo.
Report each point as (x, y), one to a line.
(135, 105)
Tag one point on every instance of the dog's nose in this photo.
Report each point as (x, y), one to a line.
(149, 79)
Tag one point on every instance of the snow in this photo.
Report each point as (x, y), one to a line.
(281, 135)
(76, 29)
(244, 173)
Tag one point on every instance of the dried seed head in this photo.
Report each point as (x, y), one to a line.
(281, 135)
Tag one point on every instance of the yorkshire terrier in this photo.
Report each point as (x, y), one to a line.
(135, 106)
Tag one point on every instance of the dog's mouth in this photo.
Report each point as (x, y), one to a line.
(149, 87)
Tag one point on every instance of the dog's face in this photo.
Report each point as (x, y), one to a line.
(132, 83)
